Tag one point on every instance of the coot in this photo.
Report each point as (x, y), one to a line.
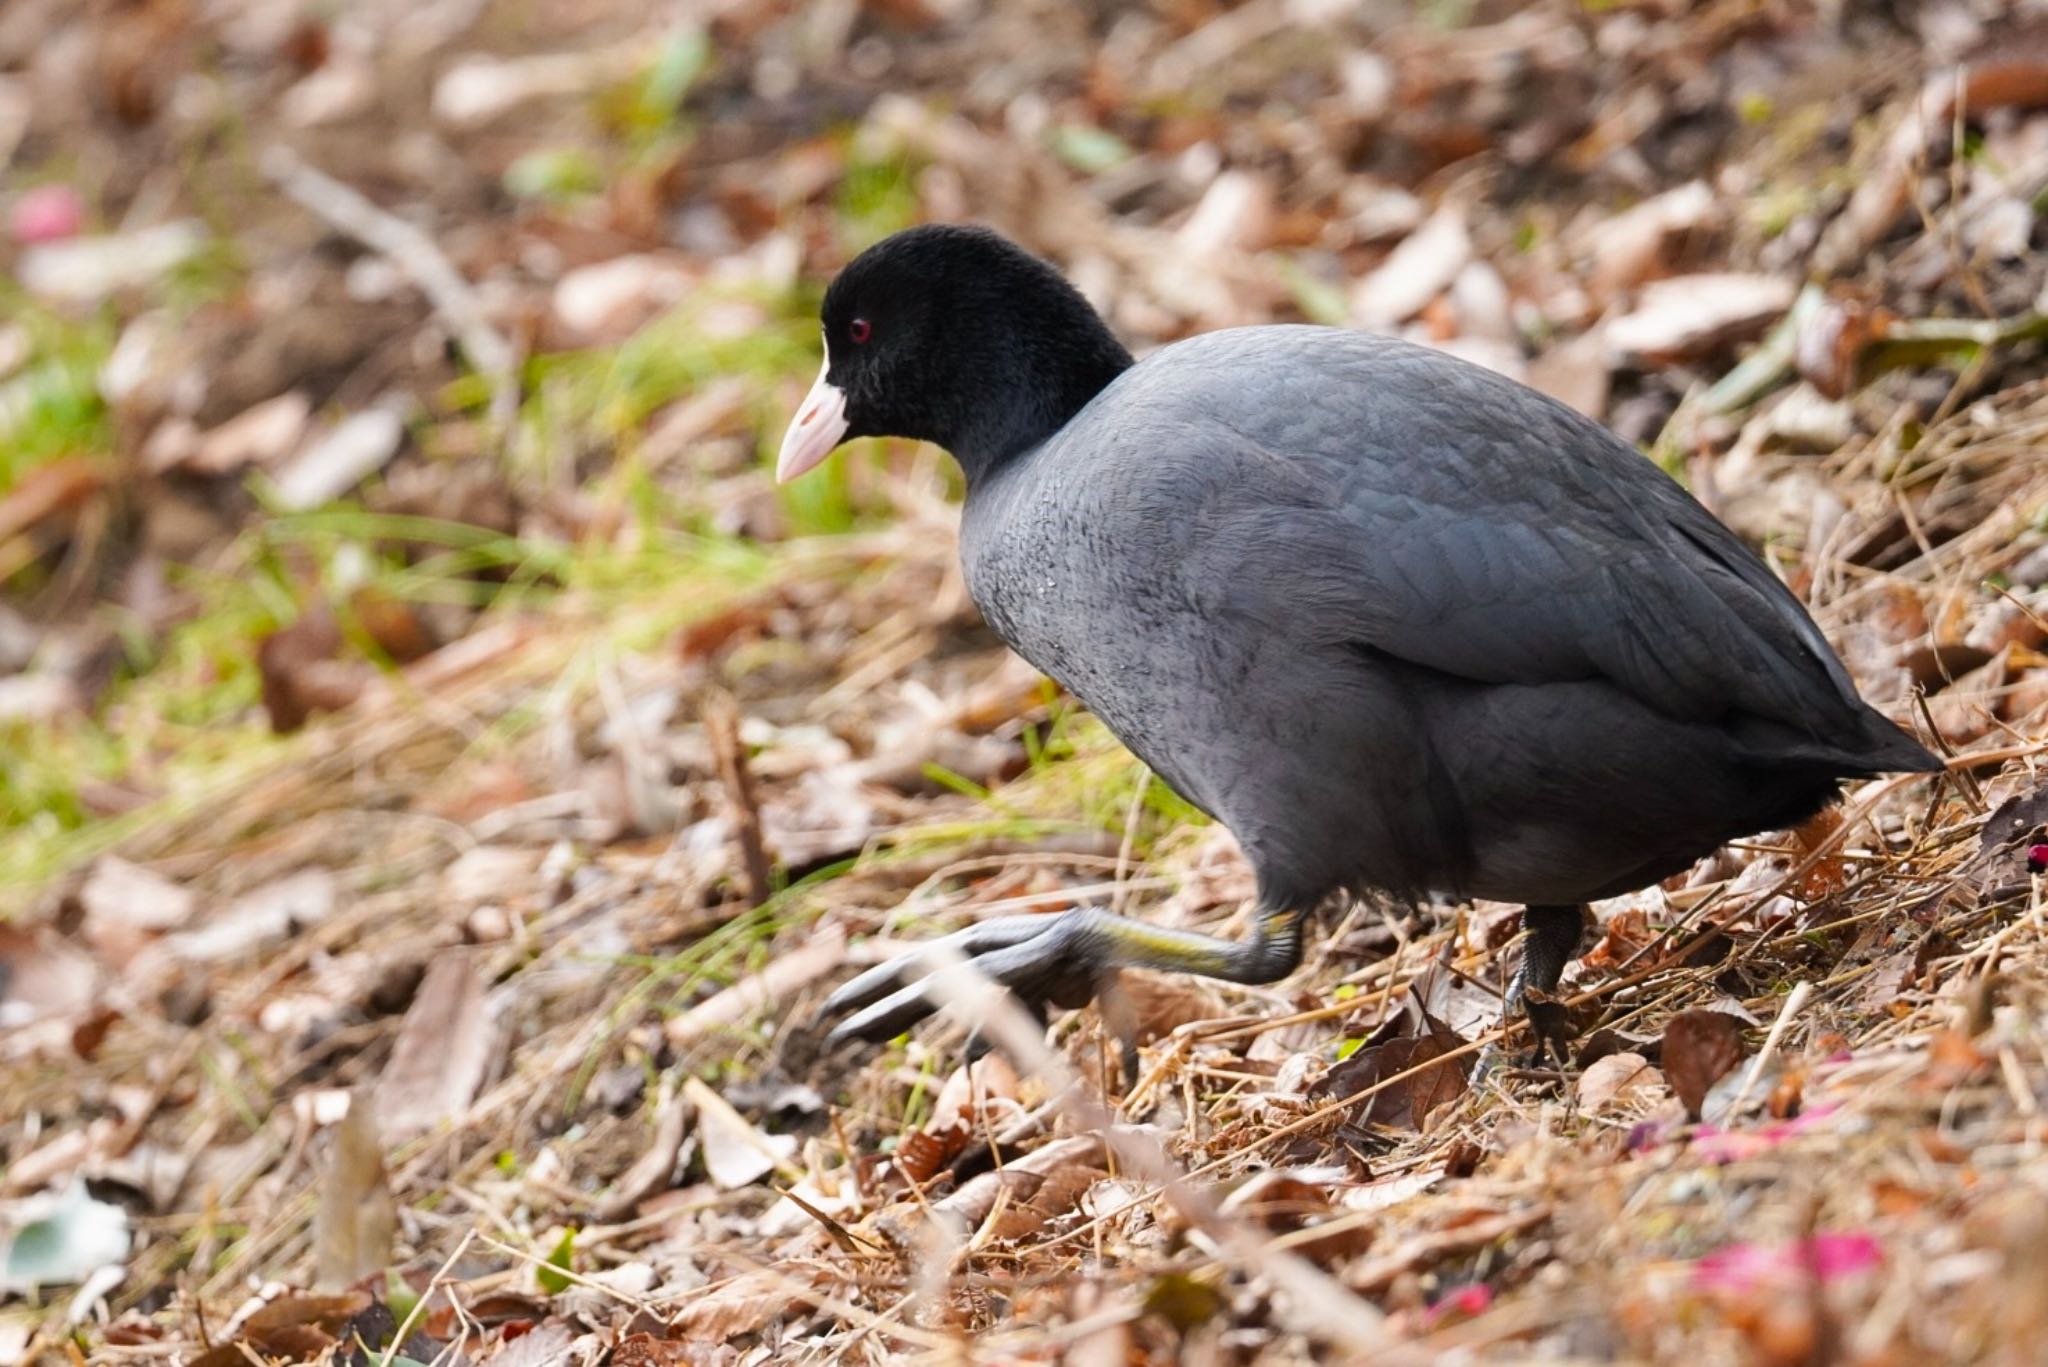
(1398, 622)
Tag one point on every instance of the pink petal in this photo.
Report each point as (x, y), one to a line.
(1742, 1268)
(48, 213)
(1462, 1301)
(1713, 1144)
(1843, 1255)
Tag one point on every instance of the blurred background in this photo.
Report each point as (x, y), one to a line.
(412, 681)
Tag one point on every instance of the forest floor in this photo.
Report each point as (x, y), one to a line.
(443, 774)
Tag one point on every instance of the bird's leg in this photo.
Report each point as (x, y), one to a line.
(1063, 960)
(1553, 935)
(1553, 938)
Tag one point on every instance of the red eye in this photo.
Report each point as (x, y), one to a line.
(860, 330)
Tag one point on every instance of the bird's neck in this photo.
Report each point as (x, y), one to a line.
(1056, 380)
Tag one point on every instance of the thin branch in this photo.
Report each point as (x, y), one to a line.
(722, 727)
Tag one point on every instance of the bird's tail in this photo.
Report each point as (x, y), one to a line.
(1876, 746)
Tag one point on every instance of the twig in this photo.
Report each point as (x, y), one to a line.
(1135, 813)
(1794, 1003)
(722, 727)
(413, 252)
(419, 1307)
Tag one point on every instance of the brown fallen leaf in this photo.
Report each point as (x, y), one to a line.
(1032, 1204)
(977, 1197)
(300, 1326)
(1621, 936)
(739, 1306)
(443, 1049)
(552, 1343)
(976, 1098)
(1606, 1040)
(301, 674)
(1616, 1078)
(1160, 1003)
(261, 916)
(1952, 1058)
(354, 1221)
(44, 492)
(1576, 372)
(390, 624)
(1830, 870)
(1635, 244)
(1700, 1047)
(1288, 1201)
(2015, 79)
(1405, 1104)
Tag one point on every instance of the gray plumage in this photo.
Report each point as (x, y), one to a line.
(1399, 622)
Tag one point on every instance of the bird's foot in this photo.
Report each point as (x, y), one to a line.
(1045, 961)
(1063, 960)
(1549, 1029)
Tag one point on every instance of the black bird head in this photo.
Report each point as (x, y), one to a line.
(955, 336)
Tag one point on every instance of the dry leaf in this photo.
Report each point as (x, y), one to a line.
(736, 1153)
(1576, 373)
(1616, 1078)
(1632, 246)
(550, 1344)
(52, 490)
(1700, 1047)
(301, 673)
(443, 1049)
(1622, 936)
(118, 893)
(1691, 315)
(1405, 1104)
(263, 435)
(741, 1306)
(1831, 870)
(1828, 348)
(977, 1197)
(1033, 1202)
(977, 1098)
(1418, 270)
(355, 1219)
(984, 1089)
(42, 977)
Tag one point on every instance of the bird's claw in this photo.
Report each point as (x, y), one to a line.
(1044, 961)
